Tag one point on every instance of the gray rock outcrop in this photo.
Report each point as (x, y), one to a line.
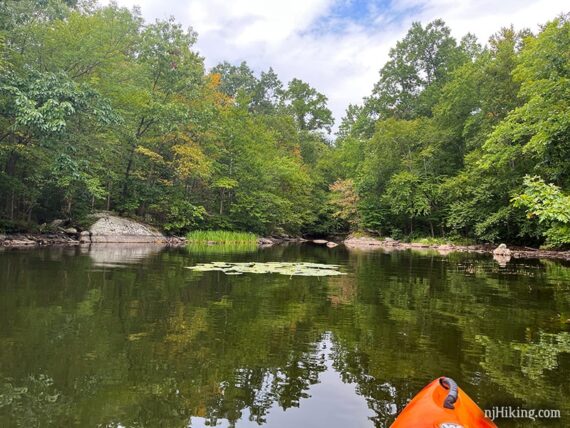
(112, 229)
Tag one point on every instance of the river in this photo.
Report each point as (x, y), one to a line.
(126, 336)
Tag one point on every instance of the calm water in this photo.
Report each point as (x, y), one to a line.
(127, 337)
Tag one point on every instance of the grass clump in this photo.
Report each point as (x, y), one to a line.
(221, 237)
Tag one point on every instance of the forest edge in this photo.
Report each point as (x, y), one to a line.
(111, 229)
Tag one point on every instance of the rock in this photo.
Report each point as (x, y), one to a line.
(390, 242)
(70, 231)
(502, 250)
(22, 242)
(320, 241)
(110, 228)
(418, 245)
(265, 242)
(85, 237)
(446, 247)
(56, 223)
(331, 244)
(2, 237)
(363, 243)
(176, 241)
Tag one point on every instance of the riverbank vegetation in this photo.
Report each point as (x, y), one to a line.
(102, 110)
(443, 144)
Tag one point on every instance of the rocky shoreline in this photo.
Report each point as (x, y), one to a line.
(61, 239)
(106, 228)
(71, 238)
(110, 229)
(501, 253)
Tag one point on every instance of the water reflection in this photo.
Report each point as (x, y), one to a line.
(501, 259)
(226, 248)
(145, 342)
(328, 401)
(117, 255)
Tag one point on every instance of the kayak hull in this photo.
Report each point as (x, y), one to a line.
(428, 410)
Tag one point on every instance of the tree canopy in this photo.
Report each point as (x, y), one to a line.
(100, 110)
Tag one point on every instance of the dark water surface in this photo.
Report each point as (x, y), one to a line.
(127, 337)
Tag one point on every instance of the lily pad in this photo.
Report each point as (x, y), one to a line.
(289, 269)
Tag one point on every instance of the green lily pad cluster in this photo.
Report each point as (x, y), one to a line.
(289, 269)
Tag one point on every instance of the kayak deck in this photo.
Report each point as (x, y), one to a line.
(442, 404)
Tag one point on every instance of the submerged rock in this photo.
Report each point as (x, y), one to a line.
(331, 244)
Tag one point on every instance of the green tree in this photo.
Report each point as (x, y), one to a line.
(308, 106)
(550, 205)
(236, 79)
(418, 66)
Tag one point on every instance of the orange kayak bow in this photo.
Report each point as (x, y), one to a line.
(442, 404)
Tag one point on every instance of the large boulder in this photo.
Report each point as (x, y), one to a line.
(110, 228)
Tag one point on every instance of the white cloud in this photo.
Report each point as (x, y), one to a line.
(486, 17)
(342, 60)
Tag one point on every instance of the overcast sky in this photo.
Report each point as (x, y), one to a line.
(338, 46)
